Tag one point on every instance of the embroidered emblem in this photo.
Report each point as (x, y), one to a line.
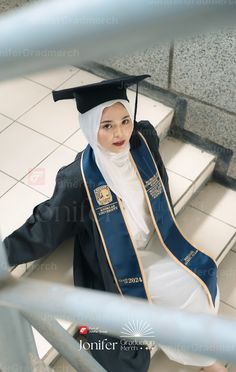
(153, 186)
(189, 256)
(103, 195)
(131, 280)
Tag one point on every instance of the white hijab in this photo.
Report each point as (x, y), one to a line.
(117, 168)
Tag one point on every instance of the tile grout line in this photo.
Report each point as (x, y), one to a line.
(45, 86)
(189, 179)
(209, 215)
(226, 303)
(226, 246)
(20, 180)
(44, 135)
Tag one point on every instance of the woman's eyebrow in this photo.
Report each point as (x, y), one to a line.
(109, 121)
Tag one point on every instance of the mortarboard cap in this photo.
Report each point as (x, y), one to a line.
(92, 95)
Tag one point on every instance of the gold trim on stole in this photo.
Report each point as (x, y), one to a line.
(136, 251)
(157, 230)
(98, 226)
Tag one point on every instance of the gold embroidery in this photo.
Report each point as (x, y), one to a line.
(189, 256)
(98, 225)
(108, 209)
(174, 219)
(153, 186)
(103, 195)
(131, 280)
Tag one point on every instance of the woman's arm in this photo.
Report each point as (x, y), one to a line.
(51, 222)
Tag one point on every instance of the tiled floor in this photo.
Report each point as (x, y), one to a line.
(38, 136)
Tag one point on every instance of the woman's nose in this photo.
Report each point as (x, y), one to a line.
(118, 132)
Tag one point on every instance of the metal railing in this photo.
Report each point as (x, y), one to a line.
(40, 303)
(54, 33)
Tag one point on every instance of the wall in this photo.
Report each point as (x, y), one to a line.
(197, 76)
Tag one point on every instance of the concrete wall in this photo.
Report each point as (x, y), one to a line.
(196, 76)
(6, 5)
(200, 72)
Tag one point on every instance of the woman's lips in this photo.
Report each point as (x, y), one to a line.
(119, 143)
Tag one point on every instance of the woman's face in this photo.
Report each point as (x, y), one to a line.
(115, 128)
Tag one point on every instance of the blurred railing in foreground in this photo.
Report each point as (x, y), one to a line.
(52, 33)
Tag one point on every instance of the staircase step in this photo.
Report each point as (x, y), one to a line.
(188, 168)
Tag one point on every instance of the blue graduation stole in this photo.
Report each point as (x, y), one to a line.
(119, 245)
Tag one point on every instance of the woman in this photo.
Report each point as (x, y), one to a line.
(116, 165)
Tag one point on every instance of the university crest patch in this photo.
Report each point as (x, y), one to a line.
(103, 195)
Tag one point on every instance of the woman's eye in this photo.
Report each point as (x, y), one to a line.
(126, 121)
(107, 126)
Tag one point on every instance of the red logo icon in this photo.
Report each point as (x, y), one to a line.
(37, 176)
(83, 330)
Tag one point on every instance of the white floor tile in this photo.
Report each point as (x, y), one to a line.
(230, 246)
(227, 279)
(227, 311)
(18, 96)
(81, 78)
(205, 232)
(6, 183)
(183, 158)
(23, 149)
(43, 345)
(218, 201)
(4, 122)
(77, 142)
(16, 206)
(184, 200)
(204, 177)
(57, 120)
(49, 168)
(54, 77)
(178, 186)
(148, 109)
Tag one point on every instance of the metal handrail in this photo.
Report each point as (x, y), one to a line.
(198, 333)
(57, 32)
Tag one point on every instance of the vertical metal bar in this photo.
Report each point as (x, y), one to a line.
(4, 267)
(16, 332)
(17, 345)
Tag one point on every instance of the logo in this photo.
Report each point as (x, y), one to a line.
(103, 195)
(37, 176)
(137, 332)
(83, 330)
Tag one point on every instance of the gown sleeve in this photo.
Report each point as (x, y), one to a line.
(150, 134)
(51, 222)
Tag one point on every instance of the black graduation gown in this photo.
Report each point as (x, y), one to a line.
(68, 214)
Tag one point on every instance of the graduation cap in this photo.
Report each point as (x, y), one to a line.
(92, 95)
